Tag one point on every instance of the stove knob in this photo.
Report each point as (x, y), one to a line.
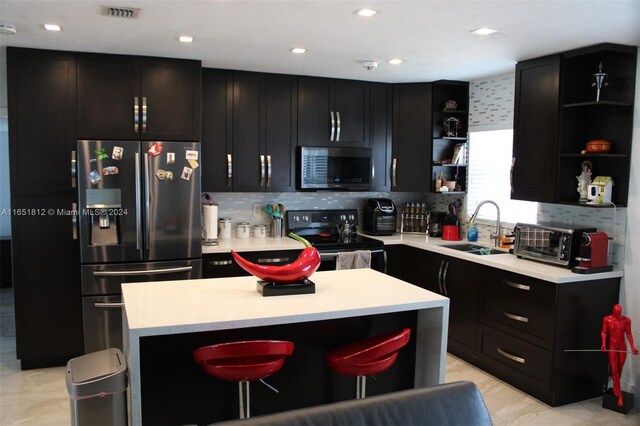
(296, 218)
(343, 217)
(305, 218)
(352, 217)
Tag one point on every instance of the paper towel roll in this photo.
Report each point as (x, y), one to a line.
(210, 222)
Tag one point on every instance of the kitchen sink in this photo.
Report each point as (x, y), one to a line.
(474, 249)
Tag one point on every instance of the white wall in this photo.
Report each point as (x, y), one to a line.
(5, 199)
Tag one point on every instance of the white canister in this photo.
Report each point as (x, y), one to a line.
(260, 231)
(224, 228)
(242, 230)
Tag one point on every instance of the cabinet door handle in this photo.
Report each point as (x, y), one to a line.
(273, 260)
(513, 163)
(268, 171)
(444, 279)
(338, 125)
(220, 262)
(108, 305)
(333, 126)
(136, 114)
(440, 277)
(262, 170)
(74, 170)
(394, 169)
(517, 285)
(511, 357)
(229, 169)
(74, 221)
(144, 113)
(515, 317)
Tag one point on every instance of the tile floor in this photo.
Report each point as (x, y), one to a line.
(39, 397)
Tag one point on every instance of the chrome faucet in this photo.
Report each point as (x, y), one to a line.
(495, 236)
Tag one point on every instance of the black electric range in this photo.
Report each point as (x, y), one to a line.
(321, 229)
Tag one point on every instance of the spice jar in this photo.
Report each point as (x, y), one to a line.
(259, 231)
(242, 230)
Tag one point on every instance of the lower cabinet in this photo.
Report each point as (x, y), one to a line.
(517, 327)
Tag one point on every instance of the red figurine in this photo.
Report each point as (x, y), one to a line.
(617, 325)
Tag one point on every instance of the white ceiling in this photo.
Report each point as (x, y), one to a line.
(433, 37)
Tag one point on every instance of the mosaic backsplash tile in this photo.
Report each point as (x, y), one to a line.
(491, 101)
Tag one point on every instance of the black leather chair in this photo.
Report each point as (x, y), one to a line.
(458, 403)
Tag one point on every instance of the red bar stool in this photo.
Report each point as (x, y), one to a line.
(368, 357)
(244, 362)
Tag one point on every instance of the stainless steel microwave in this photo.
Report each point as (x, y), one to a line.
(334, 168)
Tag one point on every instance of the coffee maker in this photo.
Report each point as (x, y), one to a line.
(594, 253)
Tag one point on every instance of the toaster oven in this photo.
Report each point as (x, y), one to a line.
(549, 243)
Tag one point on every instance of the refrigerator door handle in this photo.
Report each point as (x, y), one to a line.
(147, 202)
(142, 272)
(138, 206)
(136, 114)
(108, 305)
(74, 221)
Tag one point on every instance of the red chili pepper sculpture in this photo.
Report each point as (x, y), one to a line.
(298, 270)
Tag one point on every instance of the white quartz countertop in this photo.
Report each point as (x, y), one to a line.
(253, 244)
(507, 261)
(170, 307)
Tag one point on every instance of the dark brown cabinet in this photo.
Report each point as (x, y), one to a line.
(42, 122)
(557, 112)
(450, 127)
(217, 122)
(411, 152)
(526, 324)
(264, 132)
(131, 97)
(333, 112)
(380, 113)
(47, 294)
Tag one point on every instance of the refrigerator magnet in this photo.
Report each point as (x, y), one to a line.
(110, 170)
(168, 175)
(94, 177)
(193, 163)
(155, 149)
(186, 173)
(101, 154)
(117, 152)
(171, 157)
(191, 154)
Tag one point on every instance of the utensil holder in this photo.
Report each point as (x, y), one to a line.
(451, 233)
(276, 228)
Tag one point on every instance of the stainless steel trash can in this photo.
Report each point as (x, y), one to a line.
(97, 384)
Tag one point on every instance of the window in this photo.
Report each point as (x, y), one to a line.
(489, 178)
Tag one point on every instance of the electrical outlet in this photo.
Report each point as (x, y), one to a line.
(257, 211)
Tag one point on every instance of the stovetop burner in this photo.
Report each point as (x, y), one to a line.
(320, 228)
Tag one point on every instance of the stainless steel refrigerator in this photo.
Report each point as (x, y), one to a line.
(138, 220)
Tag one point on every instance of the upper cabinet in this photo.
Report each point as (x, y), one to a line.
(42, 120)
(380, 115)
(559, 108)
(411, 152)
(450, 107)
(131, 97)
(333, 112)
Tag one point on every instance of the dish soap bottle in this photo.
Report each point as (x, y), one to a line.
(472, 232)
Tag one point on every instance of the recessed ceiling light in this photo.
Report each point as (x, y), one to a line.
(395, 61)
(185, 39)
(52, 27)
(484, 31)
(298, 50)
(7, 29)
(367, 13)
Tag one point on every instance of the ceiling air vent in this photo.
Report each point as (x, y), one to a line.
(120, 12)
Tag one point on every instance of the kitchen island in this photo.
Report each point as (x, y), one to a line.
(165, 321)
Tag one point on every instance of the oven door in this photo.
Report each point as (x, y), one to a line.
(329, 258)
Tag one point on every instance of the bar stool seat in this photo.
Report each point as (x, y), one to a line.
(243, 362)
(368, 357)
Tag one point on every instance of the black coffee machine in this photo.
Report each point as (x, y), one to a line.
(379, 217)
(436, 221)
